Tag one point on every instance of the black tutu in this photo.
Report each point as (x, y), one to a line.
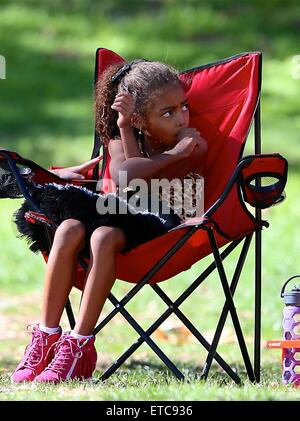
(61, 202)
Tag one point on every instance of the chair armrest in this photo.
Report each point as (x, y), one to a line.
(23, 170)
(249, 174)
(263, 180)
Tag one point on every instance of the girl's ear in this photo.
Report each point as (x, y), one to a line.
(136, 121)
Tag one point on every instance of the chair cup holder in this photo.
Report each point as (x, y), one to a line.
(263, 190)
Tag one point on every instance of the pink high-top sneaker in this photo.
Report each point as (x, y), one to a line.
(73, 359)
(36, 356)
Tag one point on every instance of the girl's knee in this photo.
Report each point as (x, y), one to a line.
(70, 231)
(108, 238)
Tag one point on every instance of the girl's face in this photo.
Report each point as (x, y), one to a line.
(168, 114)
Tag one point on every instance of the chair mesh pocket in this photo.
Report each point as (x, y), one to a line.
(8, 185)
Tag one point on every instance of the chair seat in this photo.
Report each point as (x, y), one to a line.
(145, 256)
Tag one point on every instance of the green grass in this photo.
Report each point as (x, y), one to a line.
(154, 385)
(46, 111)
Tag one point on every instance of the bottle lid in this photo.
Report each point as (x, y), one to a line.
(292, 297)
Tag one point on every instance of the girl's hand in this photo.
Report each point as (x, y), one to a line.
(189, 143)
(124, 104)
(77, 172)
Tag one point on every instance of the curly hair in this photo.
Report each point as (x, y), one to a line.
(142, 81)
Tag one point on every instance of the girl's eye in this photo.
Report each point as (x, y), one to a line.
(185, 107)
(167, 114)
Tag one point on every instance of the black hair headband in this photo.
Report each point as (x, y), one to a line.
(123, 70)
(121, 73)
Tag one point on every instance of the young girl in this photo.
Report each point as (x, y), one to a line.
(142, 116)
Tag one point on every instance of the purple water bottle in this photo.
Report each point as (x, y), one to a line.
(291, 331)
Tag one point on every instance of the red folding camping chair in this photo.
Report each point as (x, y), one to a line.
(224, 100)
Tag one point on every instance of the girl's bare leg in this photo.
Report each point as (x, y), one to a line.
(105, 243)
(68, 240)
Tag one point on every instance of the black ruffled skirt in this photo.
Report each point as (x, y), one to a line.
(60, 202)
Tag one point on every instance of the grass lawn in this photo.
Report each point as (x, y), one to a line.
(46, 114)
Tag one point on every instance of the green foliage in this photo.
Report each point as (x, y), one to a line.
(46, 104)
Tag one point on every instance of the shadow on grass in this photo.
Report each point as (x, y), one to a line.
(7, 366)
(155, 373)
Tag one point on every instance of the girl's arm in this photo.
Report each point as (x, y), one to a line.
(177, 162)
(131, 148)
(77, 172)
(137, 167)
(124, 104)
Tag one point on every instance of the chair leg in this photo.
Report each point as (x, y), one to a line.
(196, 333)
(225, 310)
(231, 306)
(257, 327)
(258, 255)
(119, 307)
(70, 314)
(147, 278)
(173, 307)
(147, 338)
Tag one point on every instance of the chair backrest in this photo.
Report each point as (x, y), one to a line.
(223, 97)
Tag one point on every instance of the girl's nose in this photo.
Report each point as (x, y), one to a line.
(181, 119)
